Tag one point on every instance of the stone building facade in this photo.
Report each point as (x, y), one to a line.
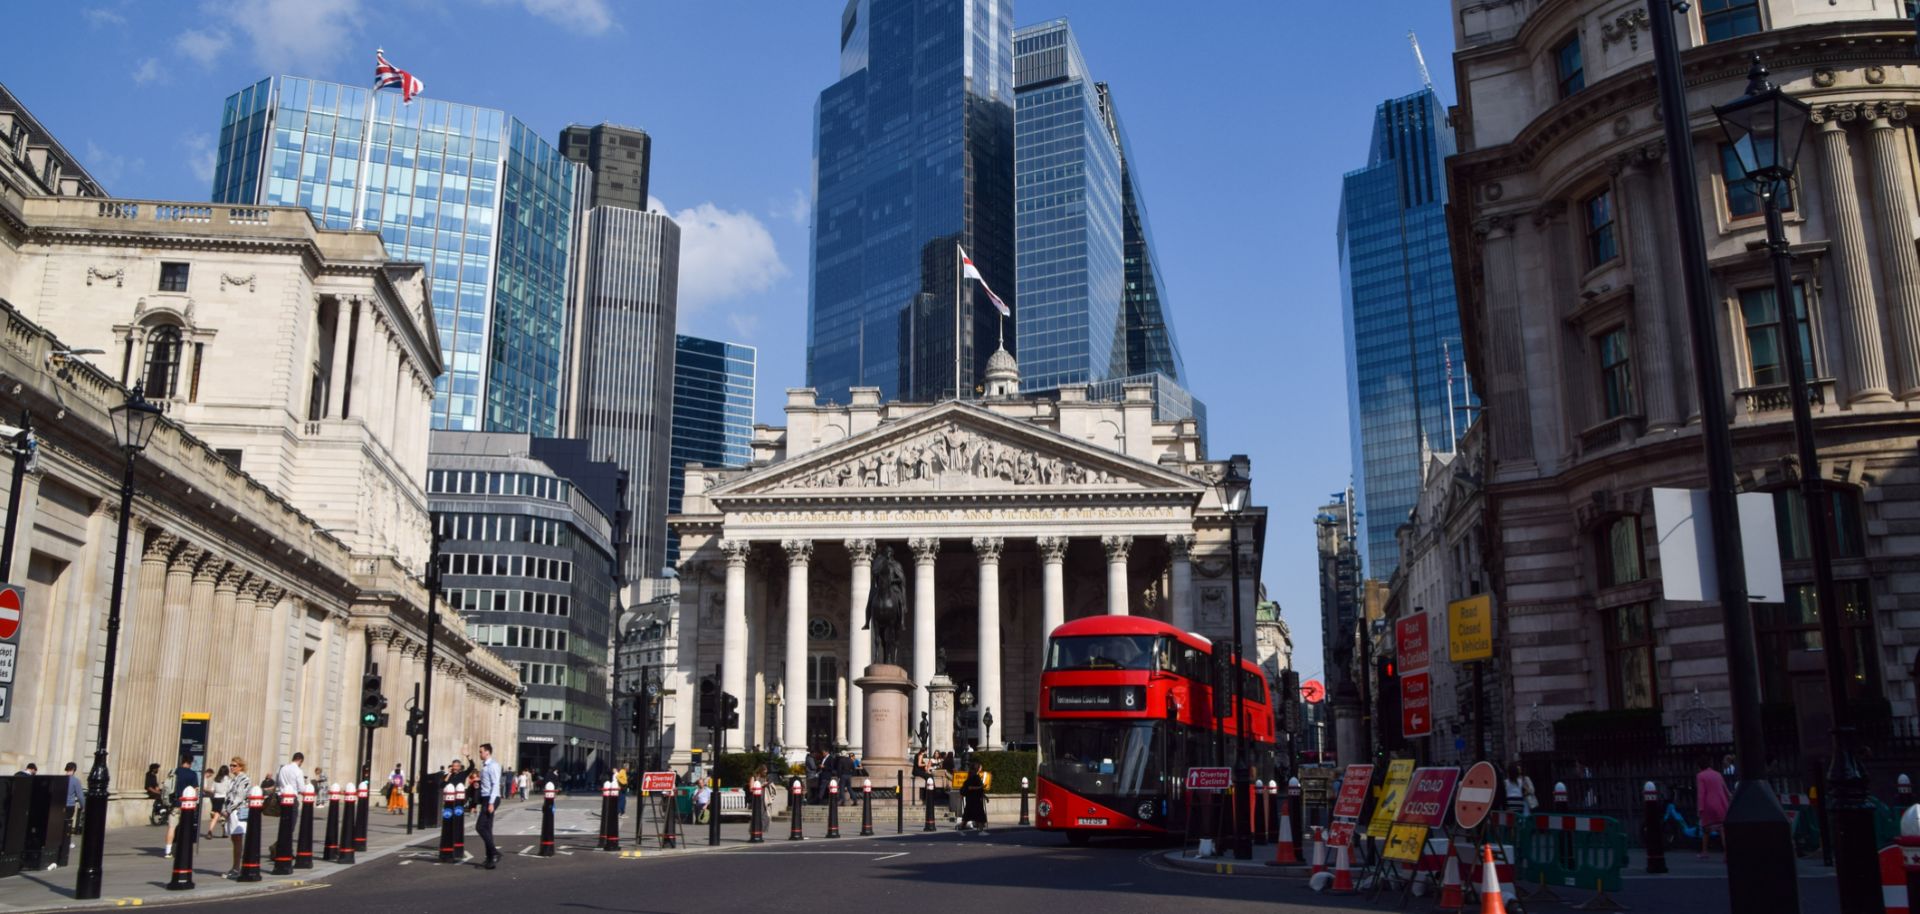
(1008, 517)
(1575, 326)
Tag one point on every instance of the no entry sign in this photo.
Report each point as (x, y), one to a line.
(11, 596)
(1478, 789)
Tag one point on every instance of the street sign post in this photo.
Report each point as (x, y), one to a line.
(1416, 700)
(12, 607)
(1211, 779)
(657, 782)
(1410, 642)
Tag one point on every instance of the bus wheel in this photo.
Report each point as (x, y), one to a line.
(1078, 838)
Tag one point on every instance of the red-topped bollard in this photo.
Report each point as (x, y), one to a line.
(250, 845)
(449, 796)
(331, 851)
(1024, 818)
(283, 841)
(1652, 831)
(349, 804)
(612, 819)
(185, 834)
(360, 817)
(795, 810)
(1296, 814)
(303, 846)
(866, 807)
(756, 811)
(546, 821)
(833, 808)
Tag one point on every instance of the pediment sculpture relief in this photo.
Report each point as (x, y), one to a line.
(949, 452)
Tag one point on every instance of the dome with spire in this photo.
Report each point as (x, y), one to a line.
(1003, 374)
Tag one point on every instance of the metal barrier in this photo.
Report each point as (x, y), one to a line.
(1573, 851)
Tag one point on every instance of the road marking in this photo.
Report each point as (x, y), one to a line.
(877, 855)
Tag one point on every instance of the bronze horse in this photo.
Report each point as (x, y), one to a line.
(886, 607)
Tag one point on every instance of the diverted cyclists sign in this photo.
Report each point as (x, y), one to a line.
(1209, 778)
(657, 782)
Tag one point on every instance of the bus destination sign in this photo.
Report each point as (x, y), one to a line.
(1099, 698)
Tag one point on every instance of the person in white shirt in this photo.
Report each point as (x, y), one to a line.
(489, 798)
(290, 777)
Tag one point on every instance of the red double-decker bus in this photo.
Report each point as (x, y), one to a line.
(1126, 707)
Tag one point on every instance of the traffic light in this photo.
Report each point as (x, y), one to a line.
(1223, 673)
(416, 720)
(373, 705)
(729, 712)
(640, 714)
(709, 701)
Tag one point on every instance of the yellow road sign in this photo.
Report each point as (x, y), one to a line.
(1470, 629)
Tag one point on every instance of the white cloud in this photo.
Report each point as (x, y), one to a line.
(148, 71)
(724, 254)
(293, 35)
(743, 325)
(204, 46)
(106, 166)
(200, 154)
(591, 17)
(796, 209)
(100, 17)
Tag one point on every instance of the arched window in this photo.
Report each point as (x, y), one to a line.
(162, 374)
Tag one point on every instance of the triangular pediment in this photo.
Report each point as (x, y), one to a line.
(956, 448)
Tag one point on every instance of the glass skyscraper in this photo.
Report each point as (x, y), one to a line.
(1397, 301)
(913, 155)
(471, 192)
(713, 388)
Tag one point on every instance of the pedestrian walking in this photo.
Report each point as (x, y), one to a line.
(238, 786)
(1521, 799)
(973, 800)
(489, 798)
(620, 779)
(183, 778)
(525, 782)
(1711, 795)
(217, 784)
(76, 792)
(396, 791)
(290, 777)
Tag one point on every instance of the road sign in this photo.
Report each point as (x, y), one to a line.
(11, 603)
(1209, 778)
(1410, 643)
(8, 653)
(1405, 842)
(1416, 700)
(1313, 691)
(657, 781)
(1399, 775)
(6, 707)
(1478, 790)
(1353, 792)
(1340, 834)
(1428, 796)
(1470, 629)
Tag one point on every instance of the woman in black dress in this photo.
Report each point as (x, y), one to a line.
(973, 800)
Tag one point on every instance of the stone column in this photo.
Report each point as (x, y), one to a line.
(988, 549)
(221, 673)
(1853, 280)
(176, 629)
(794, 733)
(1893, 223)
(363, 395)
(379, 640)
(1053, 591)
(926, 553)
(859, 641)
(733, 627)
(337, 375)
(248, 673)
(1650, 299)
(1180, 600)
(1117, 547)
(136, 700)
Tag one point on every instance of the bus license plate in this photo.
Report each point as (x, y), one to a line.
(1092, 822)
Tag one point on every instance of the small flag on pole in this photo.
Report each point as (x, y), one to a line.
(972, 272)
(386, 76)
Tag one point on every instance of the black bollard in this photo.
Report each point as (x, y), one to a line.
(713, 812)
(756, 811)
(1273, 811)
(331, 851)
(360, 818)
(899, 802)
(794, 811)
(670, 829)
(833, 808)
(1025, 819)
(1258, 798)
(606, 815)
(866, 808)
(283, 842)
(447, 799)
(303, 846)
(184, 835)
(613, 815)
(344, 855)
(546, 823)
(1296, 812)
(460, 824)
(250, 845)
(929, 796)
(1652, 814)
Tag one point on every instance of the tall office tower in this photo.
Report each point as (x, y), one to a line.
(713, 388)
(1404, 374)
(914, 156)
(619, 157)
(1068, 223)
(621, 397)
(1152, 347)
(472, 192)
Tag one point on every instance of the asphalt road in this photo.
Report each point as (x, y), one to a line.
(1007, 872)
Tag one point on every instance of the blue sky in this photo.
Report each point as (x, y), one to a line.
(1243, 116)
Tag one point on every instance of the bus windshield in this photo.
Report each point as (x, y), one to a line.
(1101, 759)
(1107, 652)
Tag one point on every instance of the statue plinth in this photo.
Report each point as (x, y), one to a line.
(940, 709)
(886, 691)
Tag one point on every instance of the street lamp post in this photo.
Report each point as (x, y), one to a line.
(1235, 487)
(22, 449)
(133, 425)
(1765, 128)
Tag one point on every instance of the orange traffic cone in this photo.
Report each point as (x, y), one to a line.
(1319, 851)
(1450, 890)
(1343, 873)
(1490, 900)
(1283, 850)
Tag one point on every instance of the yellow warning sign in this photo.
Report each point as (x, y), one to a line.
(1399, 777)
(1470, 629)
(1405, 843)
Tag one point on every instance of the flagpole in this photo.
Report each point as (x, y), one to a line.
(959, 256)
(366, 154)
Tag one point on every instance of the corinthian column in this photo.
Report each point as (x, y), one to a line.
(799, 556)
(988, 549)
(220, 683)
(1181, 546)
(1859, 324)
(733, 626)
(337, 373)
(1053, 601)
(1894, 217)
(926, 553)
(1650, 299)
(363, 364)
(859, 642)
(1117, 547)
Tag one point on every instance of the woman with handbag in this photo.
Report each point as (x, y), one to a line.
(238, 786)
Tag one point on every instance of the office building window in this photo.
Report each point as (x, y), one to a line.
(173, 277)
(1601, 245)
(1766, 360)
(1723, 19)
(1568, 71)
(1616, 372)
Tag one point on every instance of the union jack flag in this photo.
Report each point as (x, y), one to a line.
(386, 75)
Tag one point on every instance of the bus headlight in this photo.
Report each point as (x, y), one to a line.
(1146, 809)
(1046, 809)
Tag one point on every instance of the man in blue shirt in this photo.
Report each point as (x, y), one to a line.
(183, 777)
(489, 798)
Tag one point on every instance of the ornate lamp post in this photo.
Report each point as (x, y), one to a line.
(1765, 128)
(133, 425)
(774, 704)
(1234, 489)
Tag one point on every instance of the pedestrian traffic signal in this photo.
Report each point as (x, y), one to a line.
(729, 712)
(416, 720)
(373, 705)
(709, 701)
